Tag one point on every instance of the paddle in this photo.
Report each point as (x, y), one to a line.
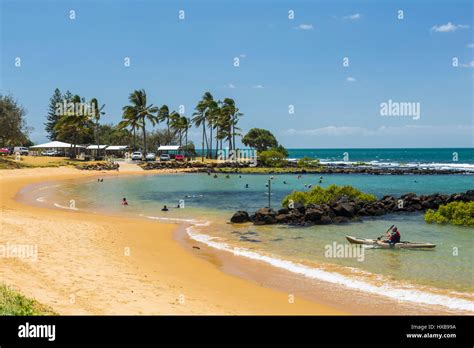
(385, 232)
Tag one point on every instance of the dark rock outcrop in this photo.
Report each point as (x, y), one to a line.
(344, 210)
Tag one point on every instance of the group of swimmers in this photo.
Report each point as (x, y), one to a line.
(125, 202)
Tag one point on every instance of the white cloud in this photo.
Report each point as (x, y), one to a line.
(305, 27)
(257, 86)
(353, 17)
(243, 55)
(449, 27)
(231, 85)
(382, 131)
(471, 45)
(351, 79)
(468, 65)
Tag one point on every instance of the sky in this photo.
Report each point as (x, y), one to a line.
(291, 58)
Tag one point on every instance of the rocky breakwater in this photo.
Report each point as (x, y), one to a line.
(344, 210)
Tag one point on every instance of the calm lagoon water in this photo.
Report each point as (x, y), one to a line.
(446, 271)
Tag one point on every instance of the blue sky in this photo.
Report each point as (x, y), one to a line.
(282, 62)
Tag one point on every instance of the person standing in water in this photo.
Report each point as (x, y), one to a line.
(124, 201)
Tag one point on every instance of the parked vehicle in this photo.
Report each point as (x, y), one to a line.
(150, 156)
(137, 156)
(5, 151)
(21, 149)
(179, 158)
(165, 157)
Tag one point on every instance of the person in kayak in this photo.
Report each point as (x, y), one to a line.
(393, 236)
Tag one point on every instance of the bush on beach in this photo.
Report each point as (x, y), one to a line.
(456, 213)
(319, 195)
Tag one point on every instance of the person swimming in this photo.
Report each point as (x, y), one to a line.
(246, 185)
(215, 176)
(284, 182)
(165, 208)
(124, 201)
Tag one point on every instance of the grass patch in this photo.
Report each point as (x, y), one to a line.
(14, 303)
(9, 162)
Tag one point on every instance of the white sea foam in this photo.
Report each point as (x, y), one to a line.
(403, 294)
(422, 165)
(41, 199)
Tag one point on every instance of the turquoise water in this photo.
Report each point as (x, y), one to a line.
(452, 156)
(446, 270)
(442, 155)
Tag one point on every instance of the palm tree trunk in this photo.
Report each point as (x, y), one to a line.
(233, 130)
(144, 137)
(134, 139)
(186, 143)
(203, 132)
(210, 147)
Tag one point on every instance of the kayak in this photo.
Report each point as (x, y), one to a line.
(402, 245)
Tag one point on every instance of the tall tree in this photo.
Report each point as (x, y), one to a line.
(145, 112)
(130, 119)
(96, 114)
(203, 111)
(13, 129)
(164, 116)
(75, 123)
(53, 116)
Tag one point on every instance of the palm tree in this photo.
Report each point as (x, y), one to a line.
(186, 124)
(132, 120)
(164, 116)
(97, 113)
(143, 111)
(202, 114)
(198, 120)
(176, 124)
(232, 115)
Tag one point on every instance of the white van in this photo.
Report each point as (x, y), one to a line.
(20, 149)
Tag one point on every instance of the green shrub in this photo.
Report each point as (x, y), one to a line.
(307, 162)
(456, 213)
(14, 303)
(320, 195)
(271, 158)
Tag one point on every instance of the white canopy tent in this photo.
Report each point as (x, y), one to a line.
(168, 148)
(54, 145)
(95, 147)
(116, 148)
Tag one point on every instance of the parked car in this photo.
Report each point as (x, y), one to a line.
(5, 151)
(150, 156)
(165, 157)
(137, 156)
(22, 150)
(179, 158)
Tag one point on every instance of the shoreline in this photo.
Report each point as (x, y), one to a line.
(82, 268)
(334, 296)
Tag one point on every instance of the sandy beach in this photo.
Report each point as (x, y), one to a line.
(96, 264)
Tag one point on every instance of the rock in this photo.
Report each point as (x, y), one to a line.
(340, 219)
(325, 220)
(313, 214)
(240, 217)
